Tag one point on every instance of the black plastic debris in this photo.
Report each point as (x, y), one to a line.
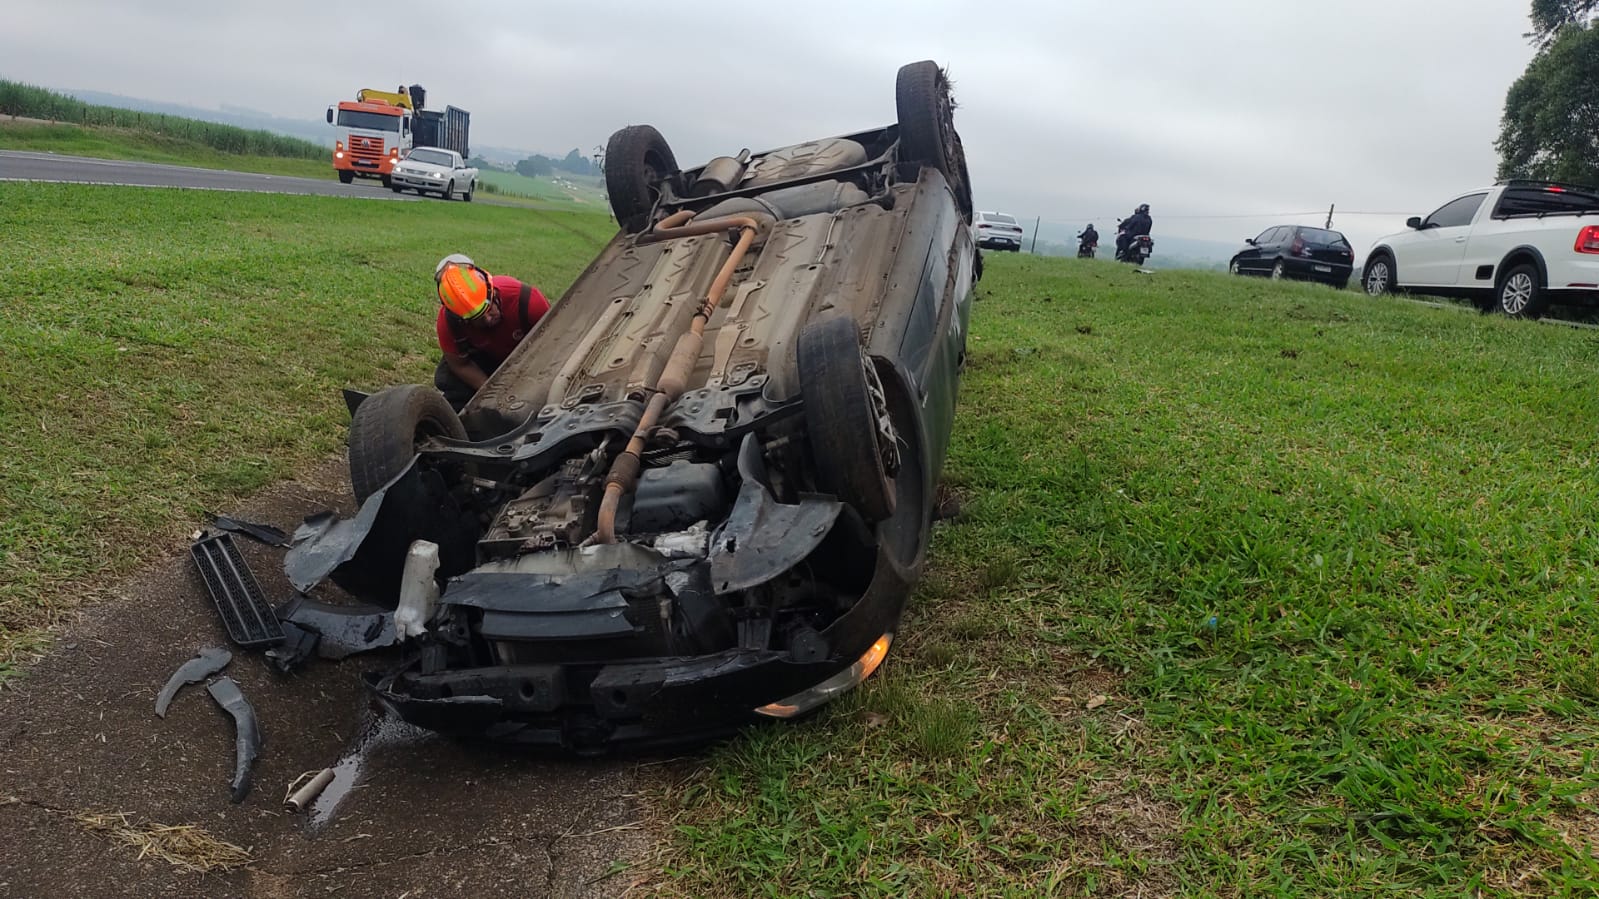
(239, 598)
(205, 663)
(340, 630)
(265, 533)
(247, 733)
(298, 645)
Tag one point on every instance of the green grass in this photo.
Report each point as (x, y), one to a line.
(28, 101)
(1260, 589)
(106, 142)
(587, 194)
(164, 353)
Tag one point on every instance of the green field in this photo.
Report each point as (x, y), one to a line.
(585, 192)
(1260, 588)
(104, 142)
(163, 353)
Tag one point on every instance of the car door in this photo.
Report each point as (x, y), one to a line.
(1249, 256)
(1432, 255)
(1272, 247)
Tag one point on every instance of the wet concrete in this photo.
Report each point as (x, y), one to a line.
(422, 815)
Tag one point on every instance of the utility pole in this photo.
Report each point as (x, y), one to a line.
(1329, 216)
(1033, 250)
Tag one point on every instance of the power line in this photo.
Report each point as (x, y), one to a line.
(1252, 215)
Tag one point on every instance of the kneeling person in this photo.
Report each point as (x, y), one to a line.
(482, 318)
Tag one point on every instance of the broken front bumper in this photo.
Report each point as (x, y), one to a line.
(646, 703)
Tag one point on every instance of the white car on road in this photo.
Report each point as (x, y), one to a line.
(434, 170)
(1515, 247)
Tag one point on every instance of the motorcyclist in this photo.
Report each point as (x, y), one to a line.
(1087, 240)
(1135, 225)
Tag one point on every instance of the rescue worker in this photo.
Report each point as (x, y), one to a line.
(482, 318)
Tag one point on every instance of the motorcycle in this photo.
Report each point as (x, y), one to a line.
(1085, 249)
(1137, 251)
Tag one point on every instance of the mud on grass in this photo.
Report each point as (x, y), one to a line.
(1256, 589)
(166, 352)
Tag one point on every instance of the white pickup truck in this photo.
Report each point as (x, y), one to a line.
(434, 170)
(1515, 247)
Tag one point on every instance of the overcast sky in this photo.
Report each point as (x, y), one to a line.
(1069, 111)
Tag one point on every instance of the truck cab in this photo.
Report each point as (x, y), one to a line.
(374, 135)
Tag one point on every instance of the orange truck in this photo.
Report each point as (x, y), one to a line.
(374, 133)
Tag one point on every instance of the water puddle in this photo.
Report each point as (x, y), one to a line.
(377, 732)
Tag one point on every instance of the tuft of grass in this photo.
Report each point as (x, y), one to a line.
(1239, 621)
(164, 353)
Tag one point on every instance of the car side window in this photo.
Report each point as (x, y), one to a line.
(1265, 236)
(1276, 236)
(1455, 213)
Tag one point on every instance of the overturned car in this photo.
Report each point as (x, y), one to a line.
(700, 491)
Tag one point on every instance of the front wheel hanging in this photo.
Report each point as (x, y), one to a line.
(847, 424)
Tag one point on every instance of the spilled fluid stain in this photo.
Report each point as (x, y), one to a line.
(377, 732)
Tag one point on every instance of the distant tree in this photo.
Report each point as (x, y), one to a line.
(1550, 128)
(534, 166)
(578, 164)
(1549, 16)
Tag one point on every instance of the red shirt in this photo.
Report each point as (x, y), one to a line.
(492, 345)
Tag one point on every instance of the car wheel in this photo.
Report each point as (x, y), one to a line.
(1233, 269)
(387, 181)
(1519, 294)
(927, 127)
(1278, 270)
(637, 159)
(449, 192)
(1378, 278)
(1339, 285)
(469, 189)
(396, 188)
(386, 428)
(847, 425)
(346, 176)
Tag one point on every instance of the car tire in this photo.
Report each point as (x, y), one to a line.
(1233, 269)
(637, 159)
(1377, 278)
(1519, 293)
(469, 189)
(449, 192)
(386, 180)
(386, 428)
(845, 417)
(1278, 270)
(1339, 285)
(927, 133)
(346, 176)
(396, 188)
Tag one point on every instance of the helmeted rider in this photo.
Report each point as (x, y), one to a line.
(1135, 225)
(1089, 237)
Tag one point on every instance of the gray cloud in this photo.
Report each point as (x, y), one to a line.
(1222, 107)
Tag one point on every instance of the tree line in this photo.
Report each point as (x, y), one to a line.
(573, 163)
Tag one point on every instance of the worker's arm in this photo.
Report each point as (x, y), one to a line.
(466, 370)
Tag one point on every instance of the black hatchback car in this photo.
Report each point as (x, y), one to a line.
(1296, 251)
(700, 492)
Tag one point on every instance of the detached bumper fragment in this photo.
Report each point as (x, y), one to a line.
(247, 739)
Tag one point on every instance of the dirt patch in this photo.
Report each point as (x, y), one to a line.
(79, 741)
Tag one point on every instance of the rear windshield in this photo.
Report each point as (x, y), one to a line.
(1323, 236)
(1001, 218)
(1546, 200)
